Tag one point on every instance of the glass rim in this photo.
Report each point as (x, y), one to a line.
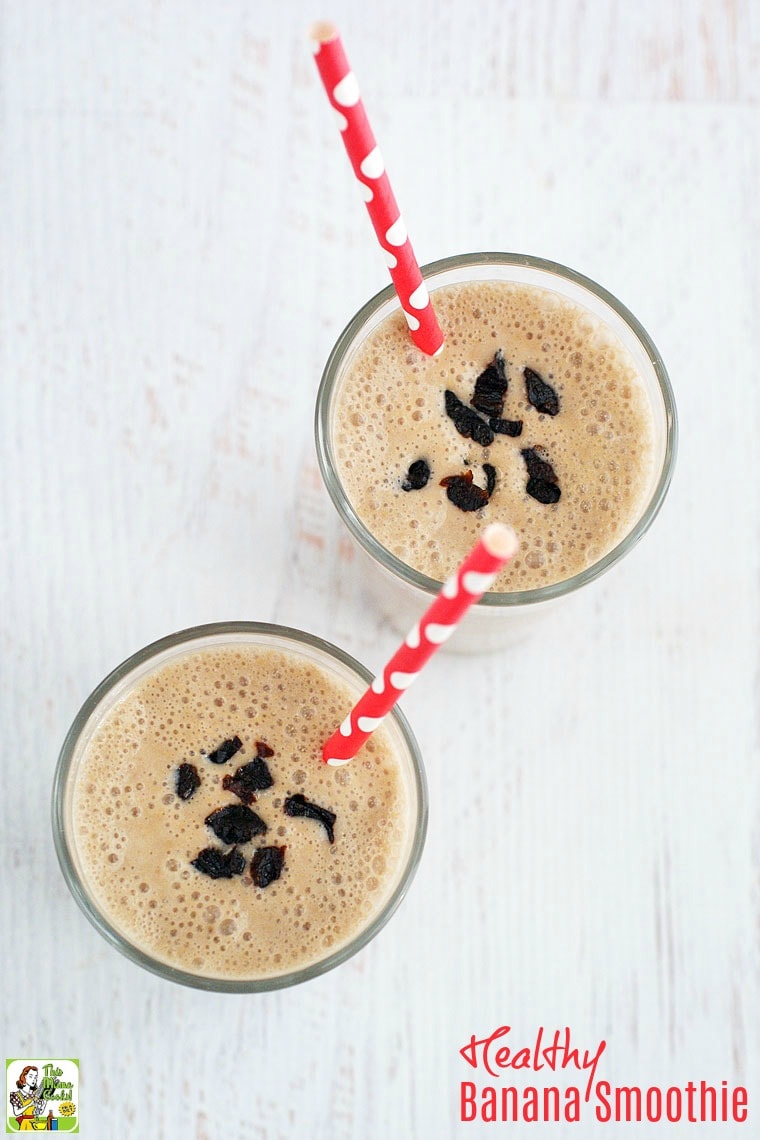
(261, 632)
(391, 562)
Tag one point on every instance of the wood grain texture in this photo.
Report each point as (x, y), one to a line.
(181, 244)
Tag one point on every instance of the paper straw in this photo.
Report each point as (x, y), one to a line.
(368, 166)
(496, 546)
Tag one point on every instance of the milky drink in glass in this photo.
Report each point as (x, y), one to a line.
(548, 409)
(199, 827)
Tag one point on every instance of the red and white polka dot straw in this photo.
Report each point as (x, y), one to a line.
(368, 166)
(496, 546)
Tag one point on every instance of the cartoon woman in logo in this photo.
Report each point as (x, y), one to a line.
(28, 1103)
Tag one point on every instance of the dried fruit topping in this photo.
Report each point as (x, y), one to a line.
(187, 780)
(490, 473)
(541, 395)
(298, 805)
(546, 493)
(417, 476)
(225, 751)
(235, 823)
(238, 788)
(263, 750)
(542, 478)
(464, 493)
(506, 427)
(249, 779)
(538, 467)
(266, 865)
(491, 387)
(468, 423)
(218, 864)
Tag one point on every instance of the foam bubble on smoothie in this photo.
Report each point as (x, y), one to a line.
(136, 838)
(389, 412)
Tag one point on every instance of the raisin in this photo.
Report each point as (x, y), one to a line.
(417, 476)
(263, 750)
(235, 823)
(468, 423)
(187, 780)
(538, 467)
(490, 471)
(541, 395)
(542, 482)
(463, 493)
(491, 387)
(256, 774)
(217, 864)
(249, 778)
(238, 788)
(506, 427)
(266, 865)
(225, 751)
(298, 805)
(546, 493)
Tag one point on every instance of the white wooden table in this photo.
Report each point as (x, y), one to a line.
(181, 244)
